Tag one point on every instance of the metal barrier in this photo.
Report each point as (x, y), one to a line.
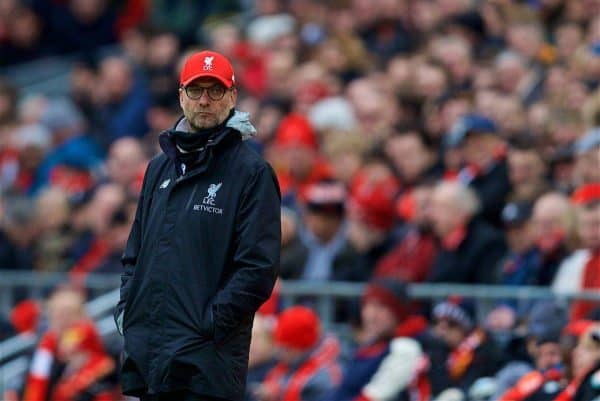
(13, 362)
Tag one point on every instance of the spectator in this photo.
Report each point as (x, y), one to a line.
(585, 366)
(55, 236)
(307, 365)
(546, 381)
(410, 260)
(297, 160)
(521, 264)
(545, 320)
(413, 157)
(324, 235)
(467, 351)
(579, 271)
(485, 157)
(470, 248)
(75, 158)
(371, 212)
(123, 100)
(526, 172)
(262, 357)
(126, 164)
(552, 225)
(71, 343)
(388, 357)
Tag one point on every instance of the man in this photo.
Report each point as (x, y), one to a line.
(466, 352)
(546, 381)
(203, 250)
(486, 169)
(323, 234)
(552, 221)
(579, 271)
(307, 366)
(411, 258)
(470, 249)
(388, 360)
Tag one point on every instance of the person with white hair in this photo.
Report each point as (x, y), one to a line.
(470, 248)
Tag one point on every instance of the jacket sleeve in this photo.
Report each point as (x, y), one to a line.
(257, 245)
(130, 254)
(396, 371)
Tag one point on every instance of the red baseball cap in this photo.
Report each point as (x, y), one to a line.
(207, 64)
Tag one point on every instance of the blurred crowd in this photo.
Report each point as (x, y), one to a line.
(436, 141)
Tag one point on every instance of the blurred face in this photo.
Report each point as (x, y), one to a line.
(450, 332)
(444, 214)
(115, 79)
(589, 226)
(345, 165)
(409, 156)
(549, 220)
(548, 355)
(519, 237)
(324, 226)
(378, 320)
(568, 38)
(124, 161)
(204, 112)
(585, 355)
(479, 149)
(524, 167)
(586, 166)
(510, 72)
(65, 308)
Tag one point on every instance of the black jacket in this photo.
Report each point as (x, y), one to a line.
(474, 261)
(202, 256)
(492, 189)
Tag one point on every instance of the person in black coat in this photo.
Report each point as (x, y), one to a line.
(464, 351)
(203, 251)
(470, 247)
(486, 169)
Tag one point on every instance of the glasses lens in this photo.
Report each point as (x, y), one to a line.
(215, 92)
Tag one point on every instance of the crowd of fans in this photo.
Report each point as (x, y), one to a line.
(437, 141)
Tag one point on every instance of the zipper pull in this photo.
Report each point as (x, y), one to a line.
(182, 168)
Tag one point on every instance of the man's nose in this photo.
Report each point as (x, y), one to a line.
(204, 99)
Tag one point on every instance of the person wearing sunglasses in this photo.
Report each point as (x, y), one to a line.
(203, 251)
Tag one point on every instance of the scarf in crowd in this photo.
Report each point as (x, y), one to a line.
(462, 356)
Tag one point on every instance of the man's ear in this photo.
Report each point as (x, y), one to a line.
(181, 93)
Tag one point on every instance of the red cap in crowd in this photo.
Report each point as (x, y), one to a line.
(207, 64)
(391, 294)
(586, 194)
(372, 200)
(298, 328)
(24, 316)
(295, 131)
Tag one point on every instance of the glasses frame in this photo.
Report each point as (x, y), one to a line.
(207, 90)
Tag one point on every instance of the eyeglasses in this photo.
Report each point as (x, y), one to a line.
(215, 92)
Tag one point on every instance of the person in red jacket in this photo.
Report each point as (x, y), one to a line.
(307, 367)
